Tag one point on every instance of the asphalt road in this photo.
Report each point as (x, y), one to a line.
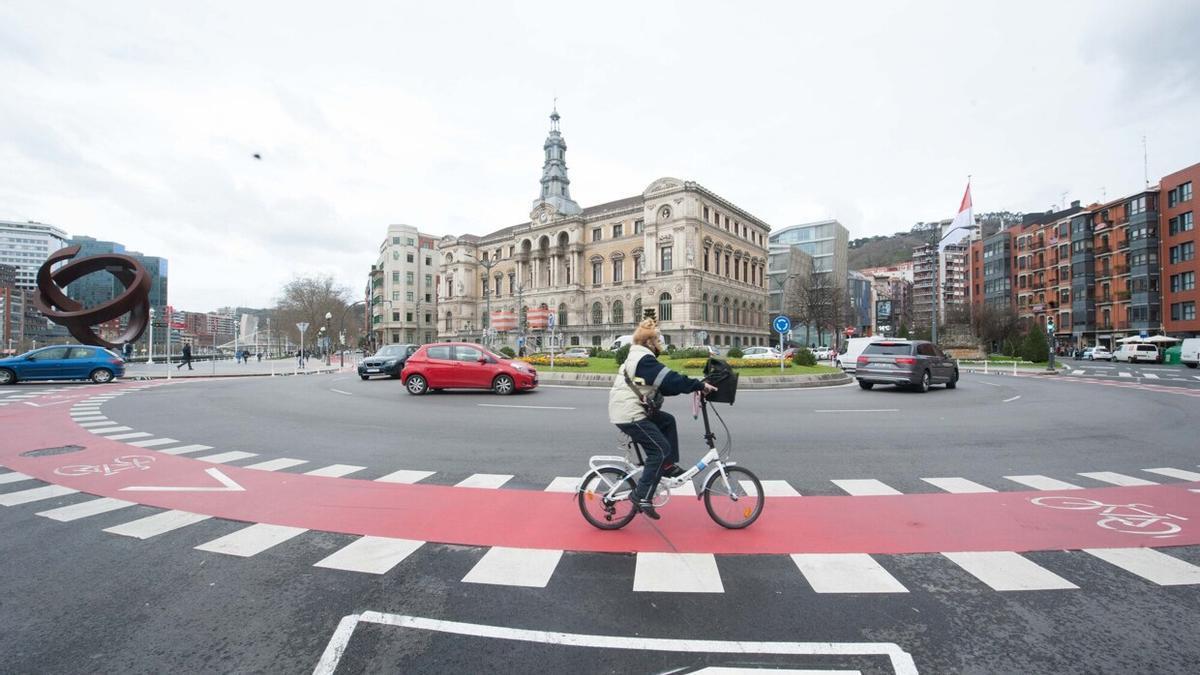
(79, 599)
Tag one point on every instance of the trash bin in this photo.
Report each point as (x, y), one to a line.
(1171, 356)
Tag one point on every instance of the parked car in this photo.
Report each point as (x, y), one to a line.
(848, 359)
(905, 363)
(1189, 352)
(1099, 353)
(69, 362)
(712, 351)
(760, 353)
(1083, 354)
(1132, 352)
(823, 353)
(463, 365)
(389, 361)
(577, 353)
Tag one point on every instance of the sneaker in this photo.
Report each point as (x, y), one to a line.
(672, 471)
(646, 508)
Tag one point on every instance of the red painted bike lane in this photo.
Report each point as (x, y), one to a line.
(917, 523)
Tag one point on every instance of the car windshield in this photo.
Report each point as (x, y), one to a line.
(889, 348)
(391, 350)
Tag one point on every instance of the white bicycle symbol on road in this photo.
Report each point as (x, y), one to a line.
(119, 464)
(1127, 518)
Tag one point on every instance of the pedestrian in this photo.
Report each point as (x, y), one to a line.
(187, 358)
(635, 406)
(259, 354)
(299, 358)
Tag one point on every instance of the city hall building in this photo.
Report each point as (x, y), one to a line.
(697, 260)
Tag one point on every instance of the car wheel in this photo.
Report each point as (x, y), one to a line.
(866, 385)
(503, 385)
(416, 385)
(365, 377)
(953, 383)
(7, 376)
(924, 385)
(101, 376)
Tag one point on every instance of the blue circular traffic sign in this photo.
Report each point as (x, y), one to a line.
(782, 324)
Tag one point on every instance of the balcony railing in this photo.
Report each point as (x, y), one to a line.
(1122, 295)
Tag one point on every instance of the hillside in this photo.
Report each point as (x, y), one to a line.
(881, 250)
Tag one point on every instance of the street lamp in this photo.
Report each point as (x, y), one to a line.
(342, 331)
(150, 347)
(328, 338)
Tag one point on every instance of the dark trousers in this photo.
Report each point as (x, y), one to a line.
(187, 361)
(660, 441)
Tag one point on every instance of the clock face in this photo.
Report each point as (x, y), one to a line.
(544, 217)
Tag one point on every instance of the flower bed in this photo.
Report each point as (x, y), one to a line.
(738, 363)
(559, 361)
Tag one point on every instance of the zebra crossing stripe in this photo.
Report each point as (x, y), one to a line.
(184, 449)
(372, 555)
(251, 540)
(484, 480)
(12, 477)
(277, 464)
(1150, 376)
(776, 488)
(957, 485)
(1125, 374)
(153, 442)
(109, 430)
(95, 424)
(223, 457)
(91, 418)
(132, 434)
(503, 566)
(1117, 478)
(861, 487)
(91, 507)
(1043, 482)
(335, 470)
(34, 495)
(846, 573)
(1149, 564)
(1175, 473)
(405, 476)
(563, 484)
(1008, 571)
(159, 523)
(677, 573)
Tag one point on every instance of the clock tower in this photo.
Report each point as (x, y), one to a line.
(555, 199)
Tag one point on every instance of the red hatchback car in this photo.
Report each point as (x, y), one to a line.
(462, 365)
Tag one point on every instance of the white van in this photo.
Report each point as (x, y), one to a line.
(848, 359)
(620, 342)
(1132, 352)
(1190, 352)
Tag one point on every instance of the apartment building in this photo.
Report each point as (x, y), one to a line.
(1178, 255)
(403, 288)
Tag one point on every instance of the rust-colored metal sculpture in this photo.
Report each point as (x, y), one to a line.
(78, 319)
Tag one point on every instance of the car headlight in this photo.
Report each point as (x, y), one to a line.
(391, 362)
(521, 367)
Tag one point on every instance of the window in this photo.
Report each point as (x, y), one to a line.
(395, 316)
(637, 267)
(562, 315)
(428, 319)
(449, 321)
(1183, 311)
(395, 296)
(597, 314)
(706, 252)
(618, 231)
(428, 260)
(409, 278)
(409, 242)
(1182, 253)
(1181, 223)
(726, 264)
(410, 257)
(486, 286)
(637, 309)
(618, 312)
(704, 308)
(618, 271)
(467, 354)
(717, 263)
(395, 241)
(1135, 206)
(596, 234)
(706, 214)
(439, 353)
(408, 296)
(638, 226)
(597, 273)
(665, 259)
(664, 307)
(408, 317)
(1183, 282)
(395, 277)
(1180, 194)
(79, 353)
(395, 255)
(429, 281)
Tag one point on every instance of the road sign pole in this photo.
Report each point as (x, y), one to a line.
(782, 324)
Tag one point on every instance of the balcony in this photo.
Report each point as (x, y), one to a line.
(1122, 295)
(1102, 249)
(1122, 245)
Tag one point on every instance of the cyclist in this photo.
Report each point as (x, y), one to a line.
(634, 405)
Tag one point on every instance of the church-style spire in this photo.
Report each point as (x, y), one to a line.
(556, 189)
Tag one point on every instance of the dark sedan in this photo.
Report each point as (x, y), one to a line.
(388, 361)
(69, 362)
(905, 363)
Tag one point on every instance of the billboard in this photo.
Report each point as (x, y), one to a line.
(883, 310)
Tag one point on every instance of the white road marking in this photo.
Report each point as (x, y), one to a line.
(84, 412)
(1150, 376)
(15, 477)
(1010, 400)
(503, 566)
(484, 480)
(334, 470)
(1125, 374)
(1149, 564)
(153, 442)
(92, 507)
(528, 407)
(1008, 571)
(1116, 478)
(184, 449)
(846, 573)
(677, 573)
(1079, 372)
(865, 410)
(34, 495)
(90, 418)
(227, 485)
(405, 476)
(991, 384)
(339, 391)
(251, 540)
(159, 523)
(1175, 473)
(778, 488)
(277, 464)
(957, 485)
(373, 555)
(95, 424)
(130, 435)
(865, 487)
(223, 457)
(109, 430)
(563, 484)
(1038, 482)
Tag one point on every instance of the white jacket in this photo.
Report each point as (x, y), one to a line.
(624, 405)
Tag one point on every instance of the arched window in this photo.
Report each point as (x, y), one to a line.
(664, 307)
(725, 311)
(597, 314)
(704, 303)
(618, 312)
(737, 315)
(637, 310)
(562, 314)
(716, 309)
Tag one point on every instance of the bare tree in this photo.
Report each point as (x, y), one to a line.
(308, 299)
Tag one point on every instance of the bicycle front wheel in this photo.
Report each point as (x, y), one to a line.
(595, 503)
(734, 500)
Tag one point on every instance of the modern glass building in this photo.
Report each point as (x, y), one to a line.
(827, 241)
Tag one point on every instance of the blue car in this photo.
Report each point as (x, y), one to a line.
(69, 362)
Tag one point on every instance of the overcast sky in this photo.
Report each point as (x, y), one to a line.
(136, 121)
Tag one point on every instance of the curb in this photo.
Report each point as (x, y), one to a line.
(144, 378)
(744, 382)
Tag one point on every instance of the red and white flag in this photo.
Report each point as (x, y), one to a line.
(964, 220)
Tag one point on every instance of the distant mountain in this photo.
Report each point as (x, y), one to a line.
(880, 250)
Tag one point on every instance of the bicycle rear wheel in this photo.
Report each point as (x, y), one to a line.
(595, 505)
(734, 500)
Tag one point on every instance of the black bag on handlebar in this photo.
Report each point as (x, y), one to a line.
(719, 374)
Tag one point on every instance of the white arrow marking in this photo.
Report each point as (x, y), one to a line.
(230, 485)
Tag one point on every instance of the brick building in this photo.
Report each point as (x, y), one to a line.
(1178, 254)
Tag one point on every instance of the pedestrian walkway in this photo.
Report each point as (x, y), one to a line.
(231, 368)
